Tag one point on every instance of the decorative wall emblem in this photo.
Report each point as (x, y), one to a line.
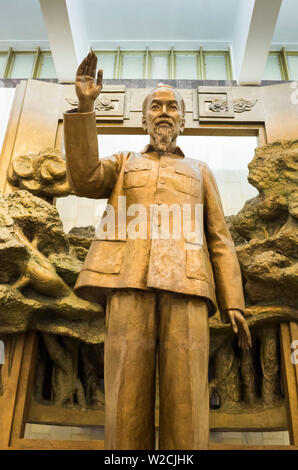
(218, 105)
(235, 103)
(101, 104)
(240, 105)
(109, 106)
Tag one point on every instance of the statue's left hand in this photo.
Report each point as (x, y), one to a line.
(240, 327)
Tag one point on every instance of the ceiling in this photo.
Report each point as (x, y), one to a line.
(134, 23)
(286, 30)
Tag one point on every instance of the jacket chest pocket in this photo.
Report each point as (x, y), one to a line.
(187, 180)
(136, 175)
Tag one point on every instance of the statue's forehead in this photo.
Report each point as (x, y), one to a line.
(163, 94)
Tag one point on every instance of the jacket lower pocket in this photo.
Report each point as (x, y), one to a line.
(196, 263)
(105, 256)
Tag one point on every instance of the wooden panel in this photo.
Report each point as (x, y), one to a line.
(59, 137)
(290, 382)
(40, 444)
(273, 419)
(10, 384)
(215, 446)
(43, 414)
(24, 387)
(281, 111)
(294, 337)
(11, 132)
(39, 118)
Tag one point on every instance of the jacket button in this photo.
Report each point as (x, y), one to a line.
(162, 181)
(164, 165)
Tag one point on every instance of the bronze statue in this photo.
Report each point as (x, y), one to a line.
(159, 290)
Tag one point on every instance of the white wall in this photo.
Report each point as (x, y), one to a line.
(6, 99)
(227, 157)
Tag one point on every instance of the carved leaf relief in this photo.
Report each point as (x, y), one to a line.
(240, 105)
(101, 104)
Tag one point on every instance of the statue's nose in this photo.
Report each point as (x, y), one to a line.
(164, 110)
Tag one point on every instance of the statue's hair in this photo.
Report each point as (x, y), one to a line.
(162, 85)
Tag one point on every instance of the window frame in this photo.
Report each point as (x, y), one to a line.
(39, 63)
(228, 65)
(132, 53)
(13, 56)
(198, 62)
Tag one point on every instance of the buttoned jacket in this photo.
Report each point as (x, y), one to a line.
(205, 266)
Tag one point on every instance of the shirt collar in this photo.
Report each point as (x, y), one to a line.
(149, 148)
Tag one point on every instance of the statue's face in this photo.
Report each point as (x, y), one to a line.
(163, 111)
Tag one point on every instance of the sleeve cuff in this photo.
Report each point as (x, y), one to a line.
(75, 111)
(224, 314)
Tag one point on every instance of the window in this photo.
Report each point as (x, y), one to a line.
(21, 65)
(217, 66)
(27, 64)
(282, 65)
(107, 62)
(2, 63)
(132, 65)
(187, 65)
(147, 64)
(159, 65)
(292, 59)
(170, 64)
(273, 69)
(46, 67)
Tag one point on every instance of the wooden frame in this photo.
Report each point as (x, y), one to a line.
(15, 403)
(288, 334)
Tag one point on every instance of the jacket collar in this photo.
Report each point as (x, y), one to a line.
(149, 148)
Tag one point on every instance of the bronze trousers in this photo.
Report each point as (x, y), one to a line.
(140, 323)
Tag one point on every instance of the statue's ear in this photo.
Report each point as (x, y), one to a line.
(182, 125)
(144, 124)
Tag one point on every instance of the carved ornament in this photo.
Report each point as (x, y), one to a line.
(240, 105)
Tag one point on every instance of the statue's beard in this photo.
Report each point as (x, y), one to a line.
(163, 137)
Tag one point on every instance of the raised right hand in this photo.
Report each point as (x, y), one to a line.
(87, 89)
